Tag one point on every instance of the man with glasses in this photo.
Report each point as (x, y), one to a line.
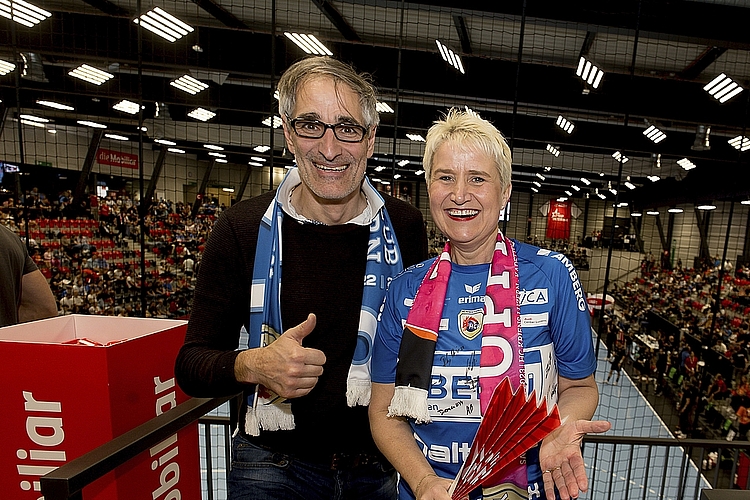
(334, 243)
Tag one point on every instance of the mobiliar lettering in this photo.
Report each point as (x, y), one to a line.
(44, 431)
(167, 450)
(116, 158)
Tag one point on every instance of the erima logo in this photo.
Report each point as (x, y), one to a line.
(535, 296)
(472, 289)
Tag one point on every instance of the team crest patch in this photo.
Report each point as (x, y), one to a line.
(470, 323)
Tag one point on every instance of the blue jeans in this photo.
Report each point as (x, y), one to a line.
(261, 474)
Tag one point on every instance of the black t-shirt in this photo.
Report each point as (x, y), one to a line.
(14, 264)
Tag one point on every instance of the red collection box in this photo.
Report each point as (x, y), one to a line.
(72, 383)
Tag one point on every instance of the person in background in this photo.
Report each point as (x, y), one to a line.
(484, 290)
(24, 292)
(309, 303)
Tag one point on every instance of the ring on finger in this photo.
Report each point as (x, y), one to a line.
(550, 471)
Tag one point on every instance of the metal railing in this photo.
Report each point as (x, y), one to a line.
(618, 467)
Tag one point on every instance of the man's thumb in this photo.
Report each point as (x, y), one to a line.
(302, 330)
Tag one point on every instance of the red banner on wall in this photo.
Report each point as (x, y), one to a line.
(558, 220)
(116, 158)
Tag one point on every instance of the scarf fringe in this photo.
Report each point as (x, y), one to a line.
(269, 417)
(358, 392)
(410, 402)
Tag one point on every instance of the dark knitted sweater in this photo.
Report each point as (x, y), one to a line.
(323, 273)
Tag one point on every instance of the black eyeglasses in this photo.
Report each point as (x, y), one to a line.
(315, 129)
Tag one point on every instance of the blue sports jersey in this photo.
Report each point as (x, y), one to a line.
(556, 331)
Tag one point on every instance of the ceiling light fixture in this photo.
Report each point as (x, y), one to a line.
(636, 214)
(126, 106)
(415, 137)
(450, 57)
(308, 43)
(653, 178)
(165, 142)
(261, 149)
(383, 107)
(674, 210)
(55, 105)
(706, 207)
(176, 150)
(562, 199)
(655, 134)
(32, 118)
(91, 124)
(629, 185)
(32, 123)
(221, 160)
(116, 137)
(740, 142)
(6, 67)
(537, 184)
(217, 155)
(552, 149)
(90, 74)
(619, 157)
(397, 176)
(22, 12)
(568, 193)
(419, 172)
(723, 88)
(745, 202)
(652, 212)
(213, 147)
(535, 190)
(585, 181)
(201, 114)
(541, 176)
(257, 158)
(256, 164)
(188, 84)
(589, 72)
(565, 124)
(403, 163)
(379, 168)
(686, 164)
(276, 122)
(575, 187)
(164, 24)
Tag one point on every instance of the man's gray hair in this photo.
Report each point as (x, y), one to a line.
(298, 73)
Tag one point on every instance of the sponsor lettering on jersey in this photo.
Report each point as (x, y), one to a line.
(577, 288)
(532, 320)
(535, 296)
(470, 323)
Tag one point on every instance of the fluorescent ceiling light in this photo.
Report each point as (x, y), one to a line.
(213, 147)
(575, 187)
(600, 195)
(143, 129)
(619, 157)
(629, 185)
(33, 118)
(675, 210)
(655, 134)
(164, 24)
(652, 212)
(415, 137)
(90, 74)
(397, 176)
(217, 155)
(622, 204)
(257, 158)
(91, 124)
(308, 43)
(386, 183)
(745, 202)
(383, 107)
(562, 199)
(723, 88)
(450, 57)
(126, 106)
(165, 142)
(22, 12)
(568, 193)
(116, 137)
(256, 164)
(541, 176)
(32, 123)
(740, 142)
(176, 150)
(188, 84)
(201, 114)
(52, 131)
(221, 160)
(6, 67)
(419, 172)
(379, 168)
(613, 191)
(565, 124)
(56, 105)
(706, 207)
(653, 178)
(535, 190)
(403, 163)
(537, 184)
(547, 169)
(552, 149)
(585, 181)
(686, 164)
(636, 214)
(276, 122)
(589, 72)
(261, 149)
(228, 190)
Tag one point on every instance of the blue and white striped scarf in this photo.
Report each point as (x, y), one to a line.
(267, 410)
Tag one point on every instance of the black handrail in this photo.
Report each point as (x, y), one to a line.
(67, 481)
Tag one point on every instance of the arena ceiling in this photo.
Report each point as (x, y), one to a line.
(657, 56)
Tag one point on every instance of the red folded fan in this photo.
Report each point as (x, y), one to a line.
(511, 425)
